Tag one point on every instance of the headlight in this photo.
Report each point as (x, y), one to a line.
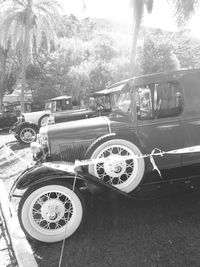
(37, 151)
(40, 149)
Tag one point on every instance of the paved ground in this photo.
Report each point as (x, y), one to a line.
(14, 248)
(5, 137)
(7, 257)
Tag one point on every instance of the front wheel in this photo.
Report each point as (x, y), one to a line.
(26, 134)
(124, 174)
(51, 211)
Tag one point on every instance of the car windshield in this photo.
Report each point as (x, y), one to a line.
(101, 100)
(47, 105)
(121, 101)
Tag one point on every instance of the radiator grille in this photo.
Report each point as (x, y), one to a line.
(72, 152)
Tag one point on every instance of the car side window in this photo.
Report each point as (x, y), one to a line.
(167, 100)
(159, 100)
(144, 102)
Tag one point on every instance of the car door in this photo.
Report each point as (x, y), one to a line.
(191, 117)
(159, 123)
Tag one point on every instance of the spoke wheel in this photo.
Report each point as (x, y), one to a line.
(43, 121)
(27, 134)
(116, 171)
(51, 212)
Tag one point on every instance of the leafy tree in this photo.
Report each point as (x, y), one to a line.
(3, 58)
(23, 25)
(157, 55)
(8, 72)
(182, 9)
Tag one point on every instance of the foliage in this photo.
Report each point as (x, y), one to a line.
(24, 24)
(182, 10)
(157, 55)
(91, 54)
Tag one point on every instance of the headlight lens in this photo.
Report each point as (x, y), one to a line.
(40, 149)
(37, 151)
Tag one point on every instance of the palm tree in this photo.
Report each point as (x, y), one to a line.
(24, 25)
(182, 10)
(3, 57)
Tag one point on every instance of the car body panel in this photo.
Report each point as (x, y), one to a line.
(70, 115)
(34, 117)
(7, 120)
(91, 129)
(38, 174)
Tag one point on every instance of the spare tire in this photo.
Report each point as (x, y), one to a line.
(124, 174)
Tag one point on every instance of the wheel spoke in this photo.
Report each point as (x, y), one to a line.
(36, 211)
(130, 165)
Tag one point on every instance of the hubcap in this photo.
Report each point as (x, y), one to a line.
(28, 135)
(115, 170)
(52, 211)
(115, 167)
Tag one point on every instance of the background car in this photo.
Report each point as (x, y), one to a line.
(10, 113)
(27, 127)
(59, 110)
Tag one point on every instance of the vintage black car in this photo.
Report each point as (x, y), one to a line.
(10, 113)
(145, 147)
(57, 110)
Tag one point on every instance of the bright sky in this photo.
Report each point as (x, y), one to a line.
(120, 10)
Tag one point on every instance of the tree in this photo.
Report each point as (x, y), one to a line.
(3, 57)
(182, 9)
(24, 24)
(157, 55)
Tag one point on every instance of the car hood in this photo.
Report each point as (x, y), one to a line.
(69, 115)
(79, 128)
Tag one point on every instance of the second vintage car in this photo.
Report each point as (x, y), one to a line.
(149, 114)
(57, 110)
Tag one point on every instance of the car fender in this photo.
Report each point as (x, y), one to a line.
(40, 173)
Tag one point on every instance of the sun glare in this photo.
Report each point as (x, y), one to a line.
(120, 10)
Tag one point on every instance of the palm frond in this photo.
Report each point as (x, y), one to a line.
(183, 10)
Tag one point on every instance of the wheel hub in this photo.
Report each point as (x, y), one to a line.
(52, 210)
(115, 167)
(27, 135)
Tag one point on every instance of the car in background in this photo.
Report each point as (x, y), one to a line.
(26, 128)
(57, 110)
(10, 113)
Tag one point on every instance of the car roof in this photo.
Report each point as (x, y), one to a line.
(148, 78)
(155, 77)
(59, 98)
(109, 90)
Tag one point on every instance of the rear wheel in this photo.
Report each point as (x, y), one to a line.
(26, 134)
(116, 171)
(51, 211)
(43, 120)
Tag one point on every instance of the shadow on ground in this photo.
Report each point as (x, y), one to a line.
(162, 232)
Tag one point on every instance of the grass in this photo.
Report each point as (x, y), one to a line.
(162, 232)
(122, 232)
